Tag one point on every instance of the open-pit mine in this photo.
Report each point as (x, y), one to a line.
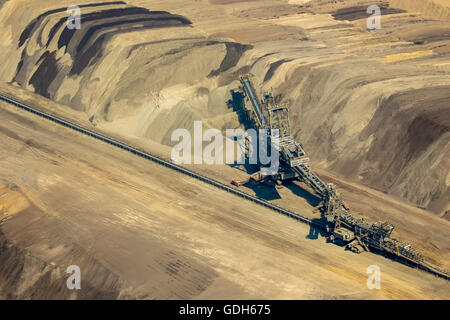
(352, 96)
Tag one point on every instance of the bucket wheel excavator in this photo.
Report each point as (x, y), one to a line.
(343, 228)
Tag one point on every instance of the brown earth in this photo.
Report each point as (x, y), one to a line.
(139, 230)
(353, 93)
(370, 107)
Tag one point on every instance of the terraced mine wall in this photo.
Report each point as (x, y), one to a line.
(369, 106)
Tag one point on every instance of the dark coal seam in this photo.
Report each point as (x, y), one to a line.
(89, 17)
(264, 56)
(108, 14)
(274, 67)
(138, 46)
(119, 13)
(94, 29)
(94, 57)
(97, 16)
(20, 65)
(44, 75)
(26, 33)
(184, 48)
(234, 53)
(359, 12)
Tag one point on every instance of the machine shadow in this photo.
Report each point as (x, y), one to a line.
(237, 103)
(312, 199)
(246, 167)
(264, 191)
(314, 231)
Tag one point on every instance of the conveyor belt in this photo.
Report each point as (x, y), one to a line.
(158, 160)
(311, 178)
(252, 96)
(215, 183)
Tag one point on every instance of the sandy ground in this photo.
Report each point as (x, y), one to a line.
(140, 230)
(420, 227)
(368, 105)
(371, 108)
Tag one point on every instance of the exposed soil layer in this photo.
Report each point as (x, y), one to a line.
(370, 107)
(313, 60)
(67, 199)
(360, 12)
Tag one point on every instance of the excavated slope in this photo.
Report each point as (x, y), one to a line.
(371, 106)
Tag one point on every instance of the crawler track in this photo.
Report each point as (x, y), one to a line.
(188, 172)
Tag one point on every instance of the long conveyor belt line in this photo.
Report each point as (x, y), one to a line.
(158, 160)
(183, 170)
(252, 96)
(311, 179)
